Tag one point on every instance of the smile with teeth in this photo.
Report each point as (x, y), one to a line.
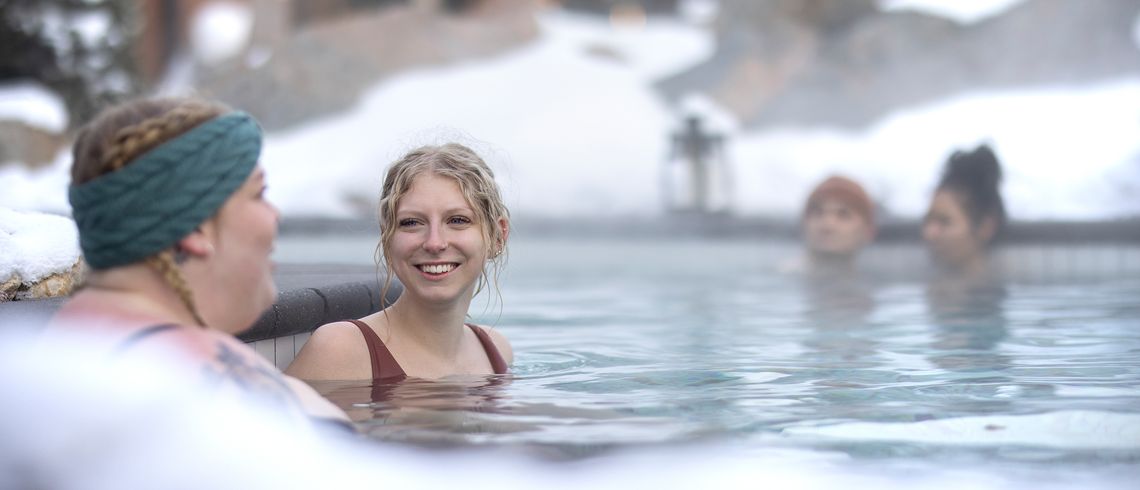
(437, 268)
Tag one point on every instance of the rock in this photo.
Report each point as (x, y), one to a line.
(58, 284)
(8, 288)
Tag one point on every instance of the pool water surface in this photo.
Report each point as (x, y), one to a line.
(625, 344)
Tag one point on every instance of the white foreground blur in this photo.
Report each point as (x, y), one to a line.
(75, 418)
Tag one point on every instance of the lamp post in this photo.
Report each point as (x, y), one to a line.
(696, 169)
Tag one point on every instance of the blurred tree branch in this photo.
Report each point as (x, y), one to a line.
(80, 49)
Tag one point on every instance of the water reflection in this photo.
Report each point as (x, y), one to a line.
(366, 400)
(837, 301)
(969, 321)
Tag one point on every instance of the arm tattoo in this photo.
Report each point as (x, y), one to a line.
(249, 376)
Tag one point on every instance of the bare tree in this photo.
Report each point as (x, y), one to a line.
(80, 49)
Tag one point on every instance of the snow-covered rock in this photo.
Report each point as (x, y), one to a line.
(40, 255)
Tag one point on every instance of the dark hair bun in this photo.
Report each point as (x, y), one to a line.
(979, 168)
(975, 176)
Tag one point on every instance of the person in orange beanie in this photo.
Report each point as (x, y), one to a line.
(838, 222)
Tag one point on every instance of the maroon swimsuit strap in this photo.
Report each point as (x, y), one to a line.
(384, 365)
(498, 365)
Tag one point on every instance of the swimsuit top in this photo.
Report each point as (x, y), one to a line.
(385, 367)
(139, 335)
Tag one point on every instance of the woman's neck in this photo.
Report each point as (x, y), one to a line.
(432, 328)
(974, 268)
(130, 292)
(830, 264)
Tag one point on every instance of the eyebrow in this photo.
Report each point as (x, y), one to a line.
(466, 209)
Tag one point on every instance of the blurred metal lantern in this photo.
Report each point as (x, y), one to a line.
(696, 177)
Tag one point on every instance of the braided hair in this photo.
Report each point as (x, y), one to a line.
(119, 135)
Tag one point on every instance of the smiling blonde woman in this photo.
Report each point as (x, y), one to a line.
(443, 233)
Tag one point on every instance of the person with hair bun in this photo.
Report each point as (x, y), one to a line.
(443, 233)
(169, 200)
(966, 296)
(966, 213)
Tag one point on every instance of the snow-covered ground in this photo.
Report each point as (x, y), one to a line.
(573, 127)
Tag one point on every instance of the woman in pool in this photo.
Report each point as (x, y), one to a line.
(443, 229)
(169, 201)
(838, 223)
(966, 214)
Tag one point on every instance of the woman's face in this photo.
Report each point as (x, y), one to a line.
(437, 249)
(953, 240)
(242, 286)
(835, 229)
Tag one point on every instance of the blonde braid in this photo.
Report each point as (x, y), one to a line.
(163, 263)
(132, 141)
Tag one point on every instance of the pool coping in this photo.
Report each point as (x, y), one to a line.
(296, 311)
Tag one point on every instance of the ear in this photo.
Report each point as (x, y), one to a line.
(505, 227)
(987, 229)
(199, 243)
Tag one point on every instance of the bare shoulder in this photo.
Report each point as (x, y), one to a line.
(336, 335)
(334, 351)
(501, 343)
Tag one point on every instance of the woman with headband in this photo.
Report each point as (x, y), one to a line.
(169, 201)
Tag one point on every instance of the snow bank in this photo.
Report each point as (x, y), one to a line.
(574, 135)
(43, 189)
(573, 127)
(1067, 153)
(36, 245)
(961, 11)
(34, 105)
(570, 123)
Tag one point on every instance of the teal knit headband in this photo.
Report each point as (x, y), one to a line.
(164, 194)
